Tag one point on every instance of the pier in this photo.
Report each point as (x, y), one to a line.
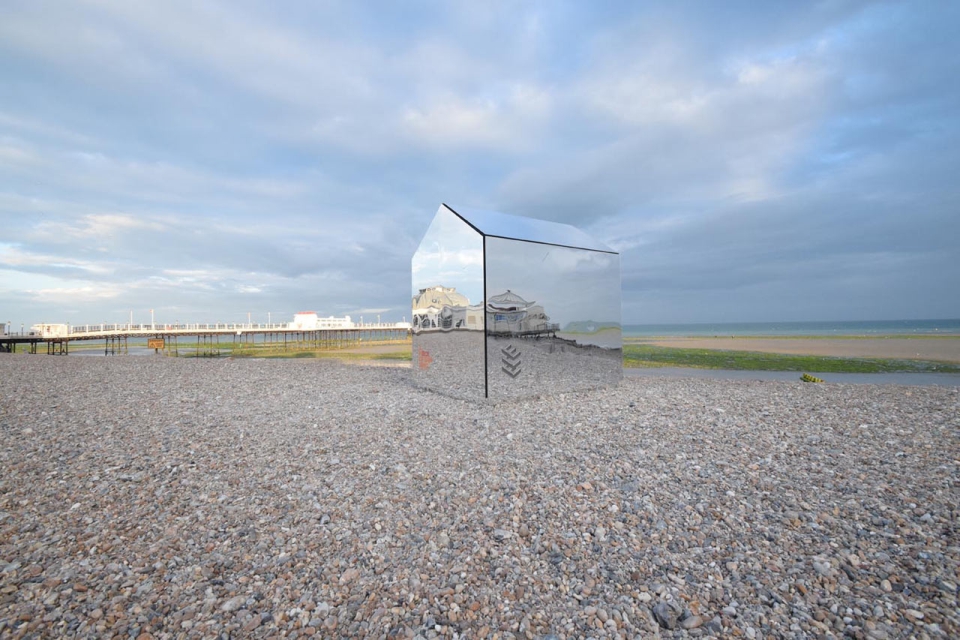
(202, 339)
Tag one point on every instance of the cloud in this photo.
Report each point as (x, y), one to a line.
(12, 155)
(96, 226)
(224, 158)
(72, 295)
(12, 258)
(674, 135)
(503, 125)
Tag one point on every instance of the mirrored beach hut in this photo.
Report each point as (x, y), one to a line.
(506, 307)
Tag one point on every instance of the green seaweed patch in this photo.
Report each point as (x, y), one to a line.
(799, 338)
(641, 355)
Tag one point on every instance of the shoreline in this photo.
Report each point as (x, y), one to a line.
(930, 348)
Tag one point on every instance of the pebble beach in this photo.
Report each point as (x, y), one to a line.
(152, 497)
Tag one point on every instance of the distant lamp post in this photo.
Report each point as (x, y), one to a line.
(268, 318)
(151, 319)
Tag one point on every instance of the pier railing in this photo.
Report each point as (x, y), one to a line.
(193, 326)
(58, 337)
(88, 329)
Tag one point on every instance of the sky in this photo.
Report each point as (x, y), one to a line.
(775, 161)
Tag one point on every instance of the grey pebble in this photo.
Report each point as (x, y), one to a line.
(233, 604)
(691, 622)
(665, 616)
(217, 498)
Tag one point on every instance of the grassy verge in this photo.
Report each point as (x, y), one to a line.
(348, 350)
(76, 345)
(637, 355)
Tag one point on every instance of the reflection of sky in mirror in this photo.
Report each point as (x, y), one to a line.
(493, 223)
(570, 284)
(451, 255)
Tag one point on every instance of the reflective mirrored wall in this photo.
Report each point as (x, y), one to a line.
(499, 317)
(447, 308)
(553, 318)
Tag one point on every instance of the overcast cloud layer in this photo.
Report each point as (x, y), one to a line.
(751, 161)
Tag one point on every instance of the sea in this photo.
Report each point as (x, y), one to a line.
(820, 328)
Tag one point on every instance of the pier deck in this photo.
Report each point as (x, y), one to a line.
(208, 336)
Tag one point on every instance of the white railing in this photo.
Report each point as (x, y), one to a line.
(191, 326)
(158, 327)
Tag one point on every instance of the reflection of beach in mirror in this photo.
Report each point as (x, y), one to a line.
(450, 362)
(526, 366)
(569, 293)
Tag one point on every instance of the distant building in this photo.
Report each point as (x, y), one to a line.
(51, 330)
(304, 321)
(442, 308)
(308, 321)
(510, 314)
(440, 296)
(331, 322)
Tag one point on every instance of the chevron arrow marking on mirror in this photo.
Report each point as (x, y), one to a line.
(510, 359)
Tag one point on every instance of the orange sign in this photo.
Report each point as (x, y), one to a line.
(154, 343)
(424, 359)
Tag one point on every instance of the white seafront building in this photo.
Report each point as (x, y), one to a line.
(309, 321)
(51, 330)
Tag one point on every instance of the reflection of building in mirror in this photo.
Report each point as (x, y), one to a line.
(442, 308)
(508, 314)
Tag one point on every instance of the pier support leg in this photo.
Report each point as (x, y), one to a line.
(57, 348)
